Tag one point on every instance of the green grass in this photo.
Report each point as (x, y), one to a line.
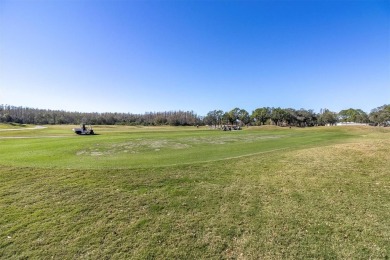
(14, 126)
(149, 147)
(260, 193)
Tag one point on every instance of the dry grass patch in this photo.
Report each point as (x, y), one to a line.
(327, 202)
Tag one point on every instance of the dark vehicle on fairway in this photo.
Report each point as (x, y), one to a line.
(84, 130)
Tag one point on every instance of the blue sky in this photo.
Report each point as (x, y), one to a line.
(145, 56)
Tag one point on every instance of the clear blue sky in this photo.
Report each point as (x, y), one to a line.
(143, 56)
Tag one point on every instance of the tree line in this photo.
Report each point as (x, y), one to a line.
(217, 118)
(300, 118)
(25, 115)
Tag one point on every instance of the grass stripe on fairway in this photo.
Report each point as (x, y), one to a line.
(228, 158)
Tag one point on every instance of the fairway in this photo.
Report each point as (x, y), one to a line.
(126, 147)
(195, 193)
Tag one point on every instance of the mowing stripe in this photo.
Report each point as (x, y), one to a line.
(21, 129)
(33, 137)
(222, 159)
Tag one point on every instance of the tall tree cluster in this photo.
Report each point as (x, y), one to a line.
(380, 115)
(24, 115)
(300, 118)
(217, 118)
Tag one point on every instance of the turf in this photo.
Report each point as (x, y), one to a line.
(149, 147)
(260, 193)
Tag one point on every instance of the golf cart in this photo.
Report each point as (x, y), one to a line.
(84, 130)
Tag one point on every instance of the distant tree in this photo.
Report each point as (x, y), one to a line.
(214, 117)
(244, 117)
(327, 117)
(219, 115)
(380, 115)
(160, 119)
(305, 117)
(261, 115)
(353, 115)
(234, 115)
(226, 119)
(6, 118)
(211, 118)
(292, 117)
(279, 116)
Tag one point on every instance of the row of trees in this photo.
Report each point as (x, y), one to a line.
(260, 116)
(301, 118)
(25, 115)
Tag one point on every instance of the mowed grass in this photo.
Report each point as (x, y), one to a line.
(262, 193)
(135, 147)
